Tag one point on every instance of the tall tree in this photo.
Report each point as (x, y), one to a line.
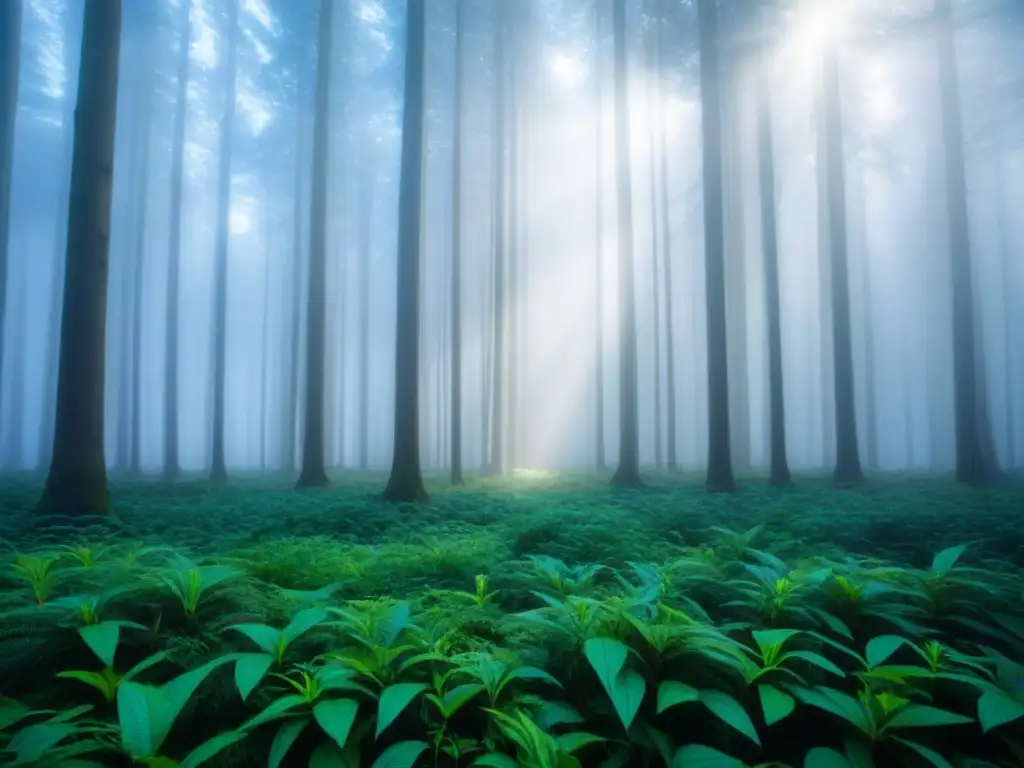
(598, 244)
(848, 469)
(498, 394)
(138, 265)
(77, 481)
(10, 57)
(456, 267)
(219, 470)
(628, 471)
(172, 464)
(971, 415)
(365, 239)
(651, 54)
(719, 476)
(293, 337)
(780, 474)
(406, 481)
(313, 471)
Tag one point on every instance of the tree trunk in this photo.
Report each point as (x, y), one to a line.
(172, 462)
(313, 472)
(294, 336)
(859, 211)
(497, 463)
(219, 471)
(265, 330)
(1003, 223)
(719, 477)
(406, 481)
(456, 248)
(848, 469)
(138, 257)
(77, 482)
(10, 58)
(365, 240)
(971, 466)
(652, 62)
(598, 244)
(628, 471)
(780, 475)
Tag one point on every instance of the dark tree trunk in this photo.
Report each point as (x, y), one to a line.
(456, 246)
(780, 474)
(365, 239)
(139, 261)
(172, 463)
(1010, 332)
(719, 477)
(858, 210)
(971, 450)
(628, 471)
(598, 245)
(848, 469)
(497, 459)
(130, 264)
(406, 481)
(10, 57)
(77, 482)
(666, 238)
(313, 472)
(219, 470)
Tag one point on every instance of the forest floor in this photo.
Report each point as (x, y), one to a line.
(476, 561)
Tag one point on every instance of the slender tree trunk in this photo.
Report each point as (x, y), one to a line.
(172, 463)
(1010, 331)
(313, 472)
(130, 264)
(666, 238)
(825, 331)
(456, 246)
(780, 474)
(406, 481)
(10, 58)
(628, 471)
(77, 482)
(219, 470)
(971, 466)
(652, 131)
(139, 258)
(497, 464)
(598, 244)
(870, 395)
(265, 331)
(294, 336)
(848, 470)
(719, 477)
(365, 240)
(510, 281)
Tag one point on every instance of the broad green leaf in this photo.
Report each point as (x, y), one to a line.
(495, 760)
(552, 713)
(145, 664)
(881, 648)
(136, 705)
(837, 703)
(457, 697)
(817, 660)
(395, 620)
(533, 673)
(699, 756)
(303, 621)
(336, 717)
(283, 740)
(95, 679)
(571, 742)
(944, 561)
(919, 715)
(102, 640)
(11, 712)
(607, 656)
(833, 622)
(775, 704)
(730, 712)
(328, 755)
(627, 694)
(393, 700)
(927, 753)
(173, 696)
(402, 754)
(274, 710)
(995, 708)
(211, 747)
(769, 638)
(265, 636)
(33, 741)
(822, 757)
(249, 670)
(671, 693)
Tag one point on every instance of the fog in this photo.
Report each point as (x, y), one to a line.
(560, 229)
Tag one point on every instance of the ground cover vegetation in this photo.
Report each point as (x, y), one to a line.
(546, 622)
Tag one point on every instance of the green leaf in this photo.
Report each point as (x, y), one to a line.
(283, 740)
(211, 747)
(552, 713)
(730, 712)
(533, 673)
(671, 693)
(336, 717)
(607, 656)
(328, 755)
(249, 670)
(919, 715)
(395, 620)
(833, 622)
(495, 760)
(770, 638)
(571, 742)
(775, 704)
(33, 741)
(944, 561)
(302, 622)
(136, 711)
(102, 640)
(627, 695)
(817, 660)
(95, 679)
(995, 708)
(174, 695)
(457, 697)
(145, 664)
(393, 700)
(837, 703)
(402, 754)
(881, 648)
(699, 756)
(928, 754)
(822, 757)
(265, 636)
(274, 710)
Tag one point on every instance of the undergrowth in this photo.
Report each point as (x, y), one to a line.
(545, 623)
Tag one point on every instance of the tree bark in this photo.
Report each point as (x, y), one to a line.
(598, 245)
(138, 257)
(497, 458)
(456, 246)
(10, 58)
(719, 476)
(77, 481)
(365, 240)
(313, 472)
(406, 481)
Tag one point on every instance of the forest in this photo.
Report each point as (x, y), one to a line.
(540, 383)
